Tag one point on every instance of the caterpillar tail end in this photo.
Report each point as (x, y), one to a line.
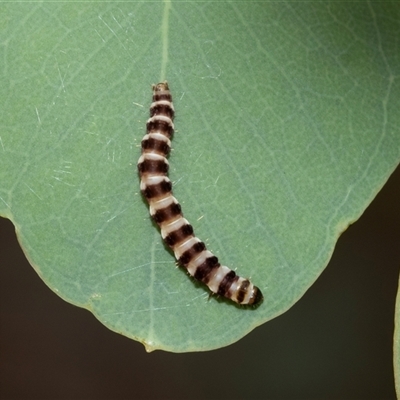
(256, 298)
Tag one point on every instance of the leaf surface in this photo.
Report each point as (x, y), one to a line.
(287, 126)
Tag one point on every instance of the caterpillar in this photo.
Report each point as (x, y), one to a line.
(177, 233)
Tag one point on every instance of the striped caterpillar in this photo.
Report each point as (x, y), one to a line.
(165, 210)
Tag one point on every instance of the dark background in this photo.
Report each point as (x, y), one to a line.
(335, 343)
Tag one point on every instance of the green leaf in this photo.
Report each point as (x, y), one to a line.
(287, 126)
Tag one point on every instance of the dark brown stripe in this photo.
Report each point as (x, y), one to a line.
(203, 270)
(159, 189)
(158, 146)
(161, 126)
(226, 283)
(180, 234)
(162, 109)
(153, 166)
(242, 290)
(188, 255)
(162, 96)
(167, 213)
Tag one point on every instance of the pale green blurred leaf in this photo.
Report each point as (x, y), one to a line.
(287, 118)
